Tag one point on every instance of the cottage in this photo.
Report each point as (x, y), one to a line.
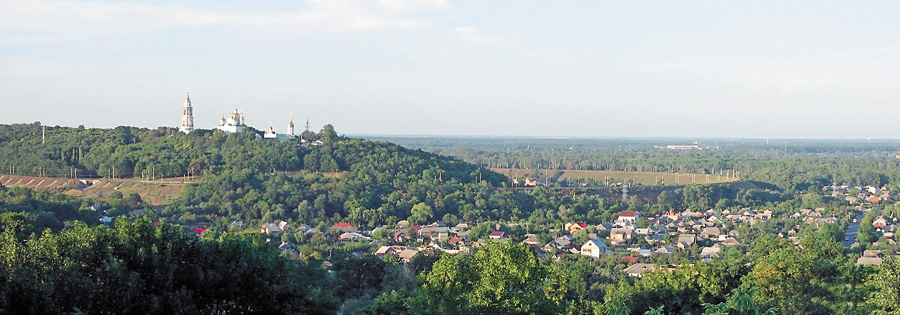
(869, 261)
(665, 250)
(344, 227)
(573, 227)
(637, 270)
(731, 242)
(628, 218)
(353, 236)
(709, 232)
(710, 252)
(407, 255)
(594, 248)
(497, 235)
(880, 222)
(385, 250)
(688, 239)
(620, 235)
(270, 229)
(531, 239)
(564, 242)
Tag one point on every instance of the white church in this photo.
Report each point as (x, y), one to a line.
(232, 123)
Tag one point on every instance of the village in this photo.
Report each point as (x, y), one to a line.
(642, 242)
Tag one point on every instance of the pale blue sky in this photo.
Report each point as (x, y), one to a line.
(795, 69)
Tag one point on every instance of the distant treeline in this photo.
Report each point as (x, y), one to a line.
(791, 164)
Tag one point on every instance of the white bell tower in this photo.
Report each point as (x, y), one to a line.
(187, 115)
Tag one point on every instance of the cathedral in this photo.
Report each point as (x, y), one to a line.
(234, 123)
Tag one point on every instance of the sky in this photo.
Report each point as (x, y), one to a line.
(790, 69)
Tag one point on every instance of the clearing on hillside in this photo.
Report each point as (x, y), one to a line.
(154, 193)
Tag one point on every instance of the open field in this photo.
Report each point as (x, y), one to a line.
(643, 178)
(154, 193)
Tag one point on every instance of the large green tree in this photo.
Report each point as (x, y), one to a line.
(502, 278)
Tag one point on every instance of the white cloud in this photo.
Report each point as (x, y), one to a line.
(476, 35)
(63, 20)
(408, 5)
(47, 68)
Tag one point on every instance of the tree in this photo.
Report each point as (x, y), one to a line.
(498, 279)
(421, 213)
(886, 295)
(328, 135)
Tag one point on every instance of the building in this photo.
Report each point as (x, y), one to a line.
(594, 248)
(684, 147)
(187, 115)
(271, 134)
(637, 270)
(234, 123)
(628, 218)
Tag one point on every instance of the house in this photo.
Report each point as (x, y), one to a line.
(665, 250)
(564, 242)
(637, 270)
(459, 228)
(344, 227)
(731, 242)
(284, 226)
(532, 182)
(630, 259)
(871, 253)
(438, 232)
(269, 229)
(710, 252)
(352, 236)
(385, 250)
(620, 235)
(869, 261)
(874, 199)
(407, 255)
(573, 227)
(627, 218)
(497, 235)
(708, 232)
(531, 239)
(286, 247)
(687, 239)
(640, 251)
(880, 222)
(594, 248)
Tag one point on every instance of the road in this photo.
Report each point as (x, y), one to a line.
(852, 230)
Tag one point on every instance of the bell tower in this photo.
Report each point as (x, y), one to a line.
(187, 115)
(290, 128)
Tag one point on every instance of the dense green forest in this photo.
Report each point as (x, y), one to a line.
(58, 258)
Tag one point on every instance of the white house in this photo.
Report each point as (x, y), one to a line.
(628, 218)
(594, 248)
